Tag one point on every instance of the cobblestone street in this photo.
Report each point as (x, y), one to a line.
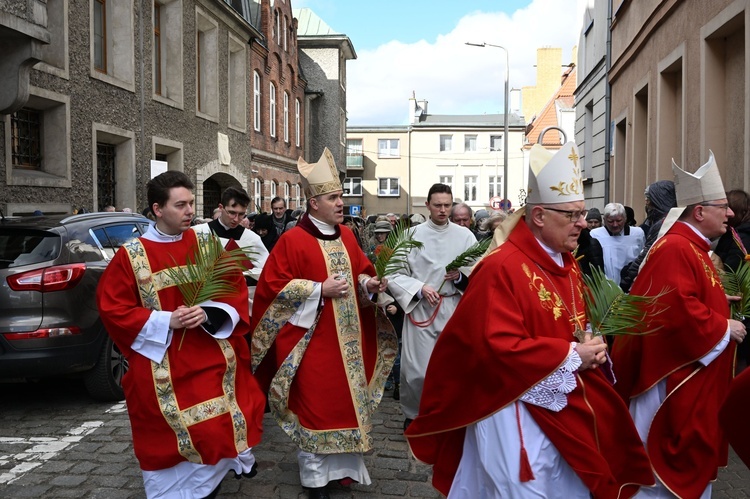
(96, 460)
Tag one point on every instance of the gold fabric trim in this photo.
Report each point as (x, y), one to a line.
(180, 420)
(286, 303)
(365, 398)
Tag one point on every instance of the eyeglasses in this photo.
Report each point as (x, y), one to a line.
(723, 206)
(571, 215)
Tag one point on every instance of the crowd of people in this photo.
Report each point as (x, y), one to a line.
(503, 385)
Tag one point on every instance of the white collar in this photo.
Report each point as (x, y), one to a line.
(154, 234)
(324, 228)
(556, 257)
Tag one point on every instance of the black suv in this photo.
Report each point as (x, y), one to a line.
(49, 323)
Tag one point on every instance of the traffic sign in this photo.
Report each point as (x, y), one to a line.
(355, 209)
(505, 204)
(496, 203)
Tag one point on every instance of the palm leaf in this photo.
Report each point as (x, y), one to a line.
(613, 312)
(210, 273)
(468, 257)
(737, 283)
(396, 247)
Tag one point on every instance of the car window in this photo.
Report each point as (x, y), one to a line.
(27, 246)
(111, 237)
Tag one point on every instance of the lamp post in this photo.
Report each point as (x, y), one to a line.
(505, 123)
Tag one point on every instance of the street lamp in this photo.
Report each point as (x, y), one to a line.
(505, 133)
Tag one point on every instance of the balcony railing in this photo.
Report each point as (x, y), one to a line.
(355, 161)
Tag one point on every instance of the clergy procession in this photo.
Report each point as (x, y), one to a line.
(552, 352)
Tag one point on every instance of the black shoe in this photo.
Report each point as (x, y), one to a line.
(253, 471)
(396, 392)
(407, 422)
(318, 493)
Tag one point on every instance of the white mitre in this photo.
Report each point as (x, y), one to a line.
(554, 177)
(699, 187)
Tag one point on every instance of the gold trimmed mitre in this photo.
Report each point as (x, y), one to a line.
(699, 187)
(554, 177)
(321, 177)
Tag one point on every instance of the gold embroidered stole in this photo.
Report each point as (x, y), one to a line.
(365, 398)
(149, 284)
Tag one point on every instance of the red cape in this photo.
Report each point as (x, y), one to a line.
(508, 333)
(684, 442)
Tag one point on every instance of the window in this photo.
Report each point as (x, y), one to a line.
(388, 187)
(37, 139)
(237, 101)
(100, 35)
(496, 142)
(470, 143)
(354, 156)
(109, 239)
(273, 189)
(169, 151)
(207, 66)
(495, 185)
(272, 109)
(157, 49)
(277, 28)
(286, 118)
(26, 139)
(447, 180)
(446, 143)
(257, 194)
(284, 34)
(105, 175)
(55, 54)
(112, 49)
(286, 194)
(470, 188)
(297, 196)
(114, 171)
(388, 148)
(167, 52)
(353, 186)
(256, 101)
(297, 112)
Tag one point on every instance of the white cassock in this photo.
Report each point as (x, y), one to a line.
(619, 250)
(442, 244)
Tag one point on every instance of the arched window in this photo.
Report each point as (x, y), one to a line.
(256, 101)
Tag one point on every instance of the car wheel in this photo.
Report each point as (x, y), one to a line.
(104, 381)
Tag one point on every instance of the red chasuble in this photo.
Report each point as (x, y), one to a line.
(201, 403)
(512, 329)
(684, 443)
(324, 382)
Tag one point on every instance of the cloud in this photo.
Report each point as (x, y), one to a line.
(456, 78)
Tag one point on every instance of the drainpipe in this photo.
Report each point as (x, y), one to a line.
(607, 106)
(408, 194)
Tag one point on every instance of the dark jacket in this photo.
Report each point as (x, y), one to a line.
(589, 252)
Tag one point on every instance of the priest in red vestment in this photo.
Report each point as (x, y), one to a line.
(676, 378)
(194, 406)
(514, 405)
(320, 350)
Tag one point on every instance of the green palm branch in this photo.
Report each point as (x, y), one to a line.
(737, 283)
(396, 247)
(468, 257)
(613, 312)
(210, 273)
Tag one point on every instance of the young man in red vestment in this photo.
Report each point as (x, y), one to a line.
(319, 348)
(675, 379)
(194, 406)
(514, 404)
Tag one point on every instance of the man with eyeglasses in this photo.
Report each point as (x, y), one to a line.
(233, 234)
(676, 378)
(620, 242)
(518, 399)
